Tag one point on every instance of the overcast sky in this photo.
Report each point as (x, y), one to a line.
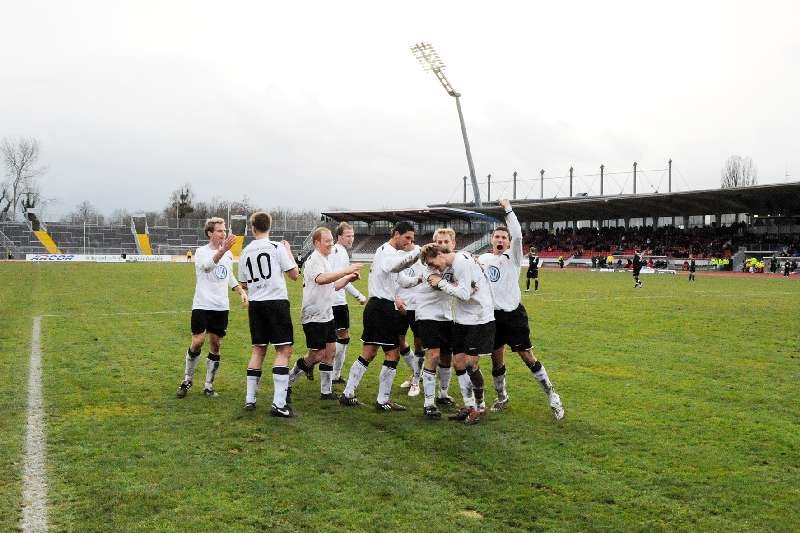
(321, 104)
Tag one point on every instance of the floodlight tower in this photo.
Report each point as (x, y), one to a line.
(430, 60)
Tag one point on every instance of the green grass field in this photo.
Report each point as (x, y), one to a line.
(682, 413)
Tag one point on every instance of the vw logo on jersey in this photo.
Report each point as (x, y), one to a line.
(409, 272)
(494, 273)
(221, 272)
(448, 276)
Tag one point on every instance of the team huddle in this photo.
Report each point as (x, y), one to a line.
(458, 307)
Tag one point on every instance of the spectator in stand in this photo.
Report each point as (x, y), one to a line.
(786, 268)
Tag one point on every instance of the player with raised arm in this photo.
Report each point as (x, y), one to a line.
(473, 316)
(340, 259)
(262, 267)
(381, 318)
(503, 265)
(320, 283)
(214, 271)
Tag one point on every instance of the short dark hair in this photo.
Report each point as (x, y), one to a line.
(502, 228)
(404, 226)
(261, 221)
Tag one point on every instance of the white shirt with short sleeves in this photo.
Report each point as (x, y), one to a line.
(261, 266)
(339, 260)
(213, 279)
(433, 304)
(407, 288)
(317, 299)
(503, 269)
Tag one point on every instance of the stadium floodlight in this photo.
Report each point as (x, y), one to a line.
(430, 61)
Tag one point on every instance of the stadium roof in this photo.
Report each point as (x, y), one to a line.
(419, 215)
(781, 199)
(776, 199)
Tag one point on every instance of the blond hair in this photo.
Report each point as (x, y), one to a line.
(317, 235)
(211, 223)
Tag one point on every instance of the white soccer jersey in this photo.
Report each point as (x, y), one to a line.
(386, 264)
(317, 299)
(261, 266)
(213, 279)
(433, 304)
(407, 286)
(474, 302)
(503, 269)
(339, 260)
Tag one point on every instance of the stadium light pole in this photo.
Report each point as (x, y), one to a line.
(430, 60)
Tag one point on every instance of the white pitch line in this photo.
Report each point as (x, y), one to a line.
(34, 491)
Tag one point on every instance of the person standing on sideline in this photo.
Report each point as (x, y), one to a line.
(320, 283)
(340, 259)
(262, 267)
(214, 272)
(638, 263)
(533, 271)
(692, 268)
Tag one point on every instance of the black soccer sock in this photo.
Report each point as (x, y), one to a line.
(528, 284)
(536, 284)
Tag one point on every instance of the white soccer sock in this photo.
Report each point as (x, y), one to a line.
(409, 359)
(253, 380)
(297, 369)
(444, 380)
(499, 377)
(280, 378)
(357, 371)
(325, 378)
(541, 376)
(338, 360)
(419, 364)
(429, 386)
(212, 364)
(191, 363)
(388, 371)
(466, 389)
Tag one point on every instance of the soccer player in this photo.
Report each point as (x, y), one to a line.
(406, 303)
(213, 268)
(381, 318)
(533, 271)
(692, 268)
(262, 267)
(473, 317)
(503, 265)
(434, 321)
(340, 259)
(320, 284)
(638, 263)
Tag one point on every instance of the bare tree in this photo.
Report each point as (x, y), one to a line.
(180, 202)
(739, 172)
(84, 212)
(21, 165)
(119, 217)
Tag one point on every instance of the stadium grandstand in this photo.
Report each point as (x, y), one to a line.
(734, 224)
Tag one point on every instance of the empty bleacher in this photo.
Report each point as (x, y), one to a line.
(20, 240)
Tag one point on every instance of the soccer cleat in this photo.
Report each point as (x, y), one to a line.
(349, 402)
(481, 408)
(389, 406)
(461, 415)
(499, 404)
(445, 400)
(432, 412)
(281, 412)
(339, 381)
(413, 390)
(183, 389)
(211, 393)
(328, 396)
(527, 290)
(250, 406)
(473, 416)
(406, 384)
(555, 405)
